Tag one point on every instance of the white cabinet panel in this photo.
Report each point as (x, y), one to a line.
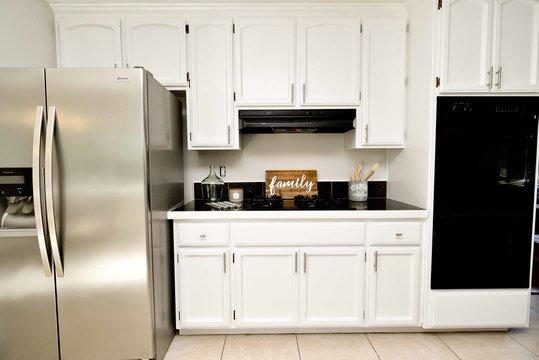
(517, 46)
(158, 45)
(393, 286)
(204, 288)
(329, 60)
(384, 58)
(266, 281)
(210, 71)
(466, 53)
(264, 60)
(332, 286)
(90, 41)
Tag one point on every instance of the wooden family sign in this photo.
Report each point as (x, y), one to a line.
(290, 183)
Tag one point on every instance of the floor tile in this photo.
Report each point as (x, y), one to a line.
(534, 320)
(261, 347)
(410, 347)
(199, 347)
(335, 347)
(486, 346)
(527, 338)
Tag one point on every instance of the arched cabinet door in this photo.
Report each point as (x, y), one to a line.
(517, 46)
(466, 50)
(329, 60)
(158, 45)
(91, 42)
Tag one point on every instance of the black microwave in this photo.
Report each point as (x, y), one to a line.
(15, 181)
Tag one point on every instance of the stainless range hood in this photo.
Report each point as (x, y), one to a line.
(296, 121)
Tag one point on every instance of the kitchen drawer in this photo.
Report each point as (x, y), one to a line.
(202, 234)
(394, 232)
(298, 233)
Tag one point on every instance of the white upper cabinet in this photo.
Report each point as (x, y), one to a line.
(204, 288)
(517, 45)
(329, 60)
(158, 45)
(394, 288)
(332, 286)
(209, 44)
(264, 60)
(384, 55)
(89, 41)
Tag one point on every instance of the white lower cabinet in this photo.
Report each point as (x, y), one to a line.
(332, 286)
(204, 288)
(266, 282)
(393, 289)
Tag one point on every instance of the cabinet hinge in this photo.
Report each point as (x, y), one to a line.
(187, 28)
(188, 79)
(233, 258)
(439, 4)
(234, 315)
(361, 28)
(437, 81)
(233, 28)
(190, 136)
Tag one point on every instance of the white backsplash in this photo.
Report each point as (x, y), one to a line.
(323, 152)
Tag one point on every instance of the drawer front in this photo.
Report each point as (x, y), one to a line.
(394, 232)
(202, 234)
(298, 233)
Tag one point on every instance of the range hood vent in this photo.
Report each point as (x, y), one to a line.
(296, 121)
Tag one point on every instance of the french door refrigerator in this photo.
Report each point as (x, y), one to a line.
(93, 278)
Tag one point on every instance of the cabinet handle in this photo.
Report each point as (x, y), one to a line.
(127, 65)
(292, 92)
(224, 263)
(295, 263)
(490, 75)
(303, 92)
(376, 261)
(366, 133)
(398, 234)
(305, 263)
(202, 236)
(499, 73)
(229, 137)
(115, 65)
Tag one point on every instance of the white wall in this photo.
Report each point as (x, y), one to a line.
(323, 152)
(408, 174)
(27, 36)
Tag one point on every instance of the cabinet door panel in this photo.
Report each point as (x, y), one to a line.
(517, 45)
(266, 287)
(394, 288)
(264, 55)
(329, 60)
(210, 70)
(158, 45)
(384, 57)
(204, 288)
(466, 58)
(89, 42)
(332, 286)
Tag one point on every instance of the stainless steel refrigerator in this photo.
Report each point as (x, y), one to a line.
(93, 278)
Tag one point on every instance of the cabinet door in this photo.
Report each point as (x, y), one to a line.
(393, 286)
(266, 287)
(384, 58)
(264, 60)
(332, 286)
(89, 42)
(210, 73)
(204, 288)
(329, 60)
(517, 46)
(158, 45)
(467, 39)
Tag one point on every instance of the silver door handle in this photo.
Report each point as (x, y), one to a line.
(499, 73)
(224, 263)
(51, 221)
(376, 261)
(305, 263)
(292, 92)
(229, 137)
(36, 189)
(490, 73)
(303, 92)
(366, 133)
(295, 263)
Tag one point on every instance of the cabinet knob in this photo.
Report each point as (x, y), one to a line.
(398, 234)
(202, 236)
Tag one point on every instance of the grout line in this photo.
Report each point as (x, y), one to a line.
(449, 347)
(223, 349)
(297, 344)
(524, 346)
(372, 346)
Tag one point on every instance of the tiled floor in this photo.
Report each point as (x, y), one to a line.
(512, 345)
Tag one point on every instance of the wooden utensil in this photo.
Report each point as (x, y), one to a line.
(371, 172)
(358, 172)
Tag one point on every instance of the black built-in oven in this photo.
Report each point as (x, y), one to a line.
(485, 170)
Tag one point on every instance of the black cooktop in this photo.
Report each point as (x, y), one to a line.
(304, 204)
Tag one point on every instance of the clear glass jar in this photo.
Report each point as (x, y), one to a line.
(212, 187)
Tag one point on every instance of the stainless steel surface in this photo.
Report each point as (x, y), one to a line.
(489, 75)
(105, 308)
(21, 90)
(49, 198)
(27, 304)
(376, 261)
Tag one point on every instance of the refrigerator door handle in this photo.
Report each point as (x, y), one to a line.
(36, 189)
(51, 221)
